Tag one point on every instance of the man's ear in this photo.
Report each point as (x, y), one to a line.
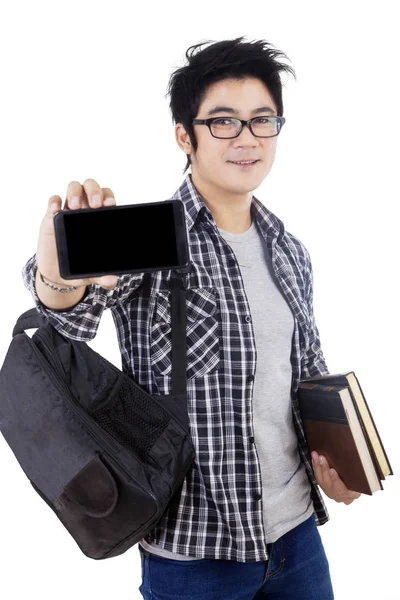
(183, 139)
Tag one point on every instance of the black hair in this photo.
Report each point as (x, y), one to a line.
(228, 59)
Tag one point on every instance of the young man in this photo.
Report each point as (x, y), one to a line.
(244, 523)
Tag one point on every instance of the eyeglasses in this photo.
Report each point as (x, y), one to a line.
(227, 127)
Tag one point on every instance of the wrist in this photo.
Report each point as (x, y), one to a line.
(56, 286)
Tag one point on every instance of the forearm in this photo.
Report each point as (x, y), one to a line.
(313, 360)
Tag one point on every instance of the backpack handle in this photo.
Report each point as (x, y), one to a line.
(30, 319)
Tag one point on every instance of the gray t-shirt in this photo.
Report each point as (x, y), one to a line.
(286, 489)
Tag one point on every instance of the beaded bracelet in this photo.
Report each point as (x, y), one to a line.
(58, 289)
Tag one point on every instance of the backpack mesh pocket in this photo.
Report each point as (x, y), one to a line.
(132, 418)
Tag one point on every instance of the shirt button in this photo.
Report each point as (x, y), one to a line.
(250, 378)
(257, 496)
(251, 440)
(247, 319)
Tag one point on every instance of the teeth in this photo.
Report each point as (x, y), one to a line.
(247, 162)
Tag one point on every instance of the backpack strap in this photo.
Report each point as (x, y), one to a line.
(178, 332)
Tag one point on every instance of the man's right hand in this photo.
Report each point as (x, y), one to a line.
(78, 196)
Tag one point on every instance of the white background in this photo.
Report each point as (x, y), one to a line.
(83, 95)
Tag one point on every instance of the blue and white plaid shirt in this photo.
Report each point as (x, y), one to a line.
(218, 512)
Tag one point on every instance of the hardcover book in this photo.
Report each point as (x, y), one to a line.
(339, 425)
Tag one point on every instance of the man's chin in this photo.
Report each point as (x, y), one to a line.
(238, 186)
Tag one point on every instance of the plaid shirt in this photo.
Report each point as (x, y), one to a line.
(217, 513)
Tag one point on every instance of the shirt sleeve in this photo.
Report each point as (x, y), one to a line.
(80, 322)
(313, 361)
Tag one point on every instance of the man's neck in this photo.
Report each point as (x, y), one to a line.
(231, 212)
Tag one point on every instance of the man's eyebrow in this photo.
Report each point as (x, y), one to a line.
(228, 109)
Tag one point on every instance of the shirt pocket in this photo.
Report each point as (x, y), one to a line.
(203, 346)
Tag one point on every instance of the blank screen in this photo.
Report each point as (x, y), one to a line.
(121, 239)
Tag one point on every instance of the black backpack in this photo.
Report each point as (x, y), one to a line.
(105, 455)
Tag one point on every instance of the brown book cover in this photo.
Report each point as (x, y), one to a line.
(367, 422)
(333, 429)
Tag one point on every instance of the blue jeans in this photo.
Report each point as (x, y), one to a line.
(297, 569)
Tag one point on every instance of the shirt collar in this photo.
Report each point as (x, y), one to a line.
(194, 205)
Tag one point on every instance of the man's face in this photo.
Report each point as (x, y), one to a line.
(211, 162)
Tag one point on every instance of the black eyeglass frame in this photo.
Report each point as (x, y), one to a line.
(243, 122)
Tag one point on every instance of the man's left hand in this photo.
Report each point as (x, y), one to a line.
(330, 482)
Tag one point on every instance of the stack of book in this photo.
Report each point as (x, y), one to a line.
(339, 425)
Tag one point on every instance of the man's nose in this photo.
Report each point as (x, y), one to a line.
(246, 136)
